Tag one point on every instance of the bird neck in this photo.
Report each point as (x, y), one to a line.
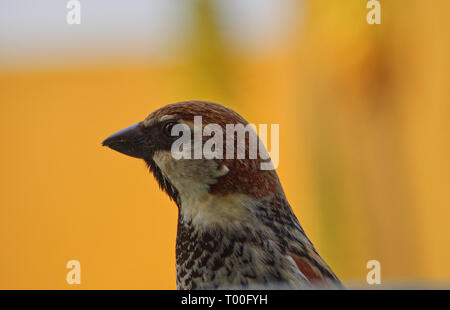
(231, 241)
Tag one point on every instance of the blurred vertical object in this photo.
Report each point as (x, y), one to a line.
(422, 53)
(207, 55)
(358, 142)
(363, 83)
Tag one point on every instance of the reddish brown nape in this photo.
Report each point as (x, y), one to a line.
(245, 175)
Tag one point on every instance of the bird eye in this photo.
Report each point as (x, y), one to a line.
(167, 129)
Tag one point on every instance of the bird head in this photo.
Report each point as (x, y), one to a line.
(227, 203)
(197, 179)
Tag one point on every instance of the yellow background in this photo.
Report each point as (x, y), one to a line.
(364, 120)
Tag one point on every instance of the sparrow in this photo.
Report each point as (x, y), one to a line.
(236, 229)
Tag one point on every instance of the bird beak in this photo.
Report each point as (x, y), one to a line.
(129, 141)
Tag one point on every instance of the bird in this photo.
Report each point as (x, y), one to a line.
(236, 229)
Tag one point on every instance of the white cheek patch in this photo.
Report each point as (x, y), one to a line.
(223, 170)
(166, 163)
(192, 178)
(187, 175)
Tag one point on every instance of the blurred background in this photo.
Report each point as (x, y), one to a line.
(364, 114)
